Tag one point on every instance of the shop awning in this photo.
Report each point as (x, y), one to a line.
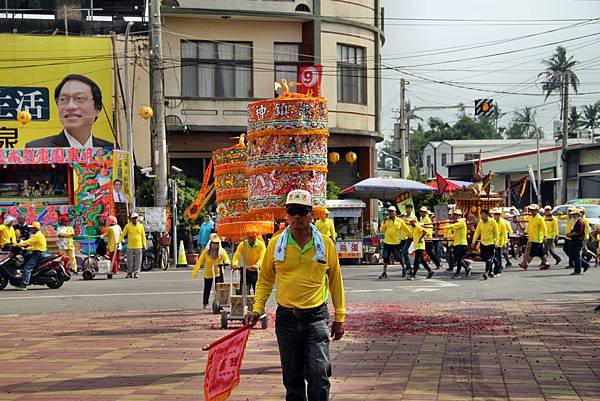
(385, 188)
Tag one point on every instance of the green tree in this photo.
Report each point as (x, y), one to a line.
(575, 122)
(333, 191)
(591, 116)
(524, 126)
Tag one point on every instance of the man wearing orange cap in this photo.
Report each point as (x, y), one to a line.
(65, 241)
(36, 245)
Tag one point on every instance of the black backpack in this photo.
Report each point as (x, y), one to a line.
(101, 247)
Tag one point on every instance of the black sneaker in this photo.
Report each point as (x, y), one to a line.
(558, 261)
(383, 275)
(484, 276)
(586, 268)
(403, 274)
(450, 269)
(508, 264)
(430, 274)
(410, 278)
(467, 272)
(492, 275)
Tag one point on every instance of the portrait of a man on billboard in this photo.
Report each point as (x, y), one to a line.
(79, 102)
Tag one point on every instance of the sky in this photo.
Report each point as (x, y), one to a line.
(425, 38)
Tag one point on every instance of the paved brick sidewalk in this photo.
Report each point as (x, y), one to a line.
(495, 351)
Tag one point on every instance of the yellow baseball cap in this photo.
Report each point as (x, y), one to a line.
(36, 224)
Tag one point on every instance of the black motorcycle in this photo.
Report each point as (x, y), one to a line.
(51, 271)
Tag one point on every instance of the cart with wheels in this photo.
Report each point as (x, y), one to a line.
(240, 304)
(220, 291)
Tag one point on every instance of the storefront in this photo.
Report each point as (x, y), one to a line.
(347, 219)
(43, 184)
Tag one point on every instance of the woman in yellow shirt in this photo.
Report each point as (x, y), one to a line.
(212, 256)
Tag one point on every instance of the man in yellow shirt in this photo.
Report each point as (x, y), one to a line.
(502, 243)
(536, 228)
(36, 245)
(429, 245)
(65, 241)
(305, 265)
(391, 229)
(419, 232)
(585, 250)
(551, 234)
(406, 239)
(136, 243)
(326, 226)
(487, 233)
(251, 253)
(7, 233)
(459, 242)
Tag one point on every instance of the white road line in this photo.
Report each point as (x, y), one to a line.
(378, 290)
(128, 294)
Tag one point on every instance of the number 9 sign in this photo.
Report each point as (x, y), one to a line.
(310, 78)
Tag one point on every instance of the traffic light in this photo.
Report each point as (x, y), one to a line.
(484, 107)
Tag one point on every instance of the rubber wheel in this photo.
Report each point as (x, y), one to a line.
(109, 276)
(56, 284)
(147, 263)
(224, 319)
(3, 281)
(87, 275)
(216, 308)
(164, 260)
(264, 322)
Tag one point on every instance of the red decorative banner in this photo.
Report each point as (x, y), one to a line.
(309, 80)
(225, 356)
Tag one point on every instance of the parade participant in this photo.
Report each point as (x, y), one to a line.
(459, 230)
(576, 236)
(22, 231)
(306, 267)
(206, 228)
(65, 241)
(448, 233)
(419, 232)
(7, 233)
(36, 245)
(410, 211)
(326, 227)
(211, 259)
(406, 240)
(487, 230)
(535, 242)
(429, 245)
(509, 231)
(551, 234)
(570, 219)
(391, 228)
(502, 242)
(585, 251)
(251, 252)
(136, 243)
(113, 234)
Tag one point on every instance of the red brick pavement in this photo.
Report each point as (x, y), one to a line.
(514, 351)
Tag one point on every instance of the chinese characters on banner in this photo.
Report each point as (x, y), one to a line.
(53, 155)
(309, 80)
(225, 356)
(349, 249)
(402, 200)
(121, 170)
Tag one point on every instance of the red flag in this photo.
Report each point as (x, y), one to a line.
(309, 80)
(442, 184)
(225, 356)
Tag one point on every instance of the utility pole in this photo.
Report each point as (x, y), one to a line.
(157, 98)
(565, 135)
(128, 117)
(402, 127)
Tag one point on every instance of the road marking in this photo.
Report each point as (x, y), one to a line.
(378, 290)
(129, 294)
(423, 289)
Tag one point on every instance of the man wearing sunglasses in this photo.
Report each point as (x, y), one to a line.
(306, 267)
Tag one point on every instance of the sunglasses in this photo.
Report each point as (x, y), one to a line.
(298, 210)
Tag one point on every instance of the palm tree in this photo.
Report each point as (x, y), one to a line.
(591, 116)
(524, 125)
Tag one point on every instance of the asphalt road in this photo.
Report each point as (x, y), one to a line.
(175, 290)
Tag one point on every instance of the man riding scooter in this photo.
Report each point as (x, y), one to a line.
(36, 244)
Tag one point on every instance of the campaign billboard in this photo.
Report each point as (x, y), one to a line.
(66, 84)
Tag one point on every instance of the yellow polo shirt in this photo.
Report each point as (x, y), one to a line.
(536, 229)
(37, 242)
(136, 236)
(405, 230)
(208, 263)
(487, 231)
(459, 227)
(7, 235)
(587, 229)
(427, 220)
(418, 237)
(551, 227)
(301, 282)
(502, 232)
(326, 227)
(391, 230)
(252, 255)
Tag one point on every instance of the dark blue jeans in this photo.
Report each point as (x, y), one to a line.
(27, 268)
(303, 339)
(405, 255)
(575, 246)
(487, 256)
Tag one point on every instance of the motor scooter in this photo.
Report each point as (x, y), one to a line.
(50, 271)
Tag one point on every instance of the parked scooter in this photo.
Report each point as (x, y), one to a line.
(51, 271)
